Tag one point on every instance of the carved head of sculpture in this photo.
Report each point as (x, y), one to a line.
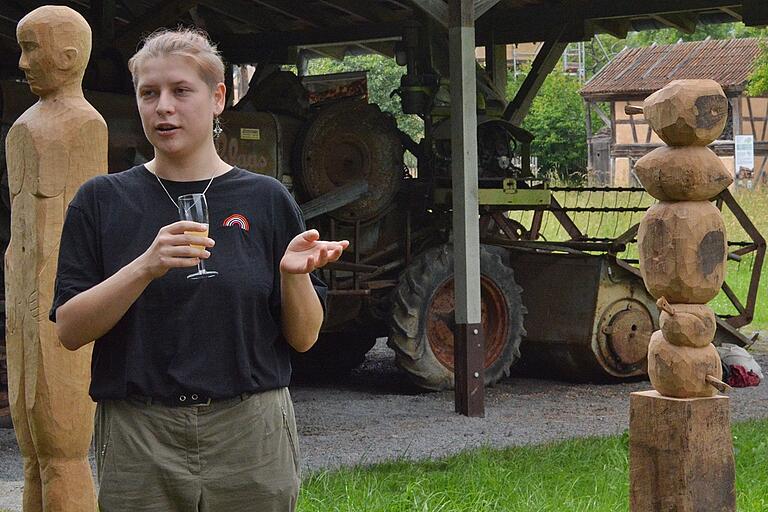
(55, 46)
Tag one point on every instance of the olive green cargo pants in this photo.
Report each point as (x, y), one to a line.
(230, 456)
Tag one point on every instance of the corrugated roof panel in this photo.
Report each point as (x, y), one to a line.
(638, 71)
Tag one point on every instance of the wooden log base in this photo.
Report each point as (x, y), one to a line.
(680, 454)
(681, 372)
(692, 173)
(687, 112)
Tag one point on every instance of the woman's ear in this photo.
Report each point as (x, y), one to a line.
(219, 98)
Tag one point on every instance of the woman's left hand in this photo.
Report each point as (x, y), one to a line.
(307, 252)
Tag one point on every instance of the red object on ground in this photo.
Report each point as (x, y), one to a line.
(742, 378)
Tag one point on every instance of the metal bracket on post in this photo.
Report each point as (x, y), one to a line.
(468, 373)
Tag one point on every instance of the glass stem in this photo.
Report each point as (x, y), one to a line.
(201, 267)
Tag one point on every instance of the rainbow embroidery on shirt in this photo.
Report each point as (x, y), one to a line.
(237, 220)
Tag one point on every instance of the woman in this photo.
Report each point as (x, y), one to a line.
(190, 376)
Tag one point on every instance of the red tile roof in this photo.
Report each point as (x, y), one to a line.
(637, 72)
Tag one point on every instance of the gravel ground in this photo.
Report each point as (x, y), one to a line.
(375, 415)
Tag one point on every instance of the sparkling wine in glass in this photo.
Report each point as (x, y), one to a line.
(193, 207)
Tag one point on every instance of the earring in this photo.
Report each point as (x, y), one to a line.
(216, 128)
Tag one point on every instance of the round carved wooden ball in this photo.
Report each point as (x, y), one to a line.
(683, 173)
(683, 251)
(687, 112)
(681, 372)
(692, 325)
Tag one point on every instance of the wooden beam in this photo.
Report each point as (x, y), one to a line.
(530, 22)
(483, 6)
(755, 12)
(437, 9)
(130, 7)
(369, 11)
(244, 48)
(685, 23)
(545, 61)
(169, 13)
(496, 67)
(331, 52)
(385, 48)
(616, 28)
(736, 110)
(732, 13)
(468, 336)
(300, 10)
(603, 9)
(634, 129)
(588, 124)
(244, 12)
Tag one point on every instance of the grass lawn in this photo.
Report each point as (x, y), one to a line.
(611, 225)
(573, 476)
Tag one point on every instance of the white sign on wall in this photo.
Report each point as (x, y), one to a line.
(744, 152)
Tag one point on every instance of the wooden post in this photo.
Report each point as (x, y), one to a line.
(736, 112)
(52, 148)
(468, 347)
(588, 121)
(680, 454)
(496, 66)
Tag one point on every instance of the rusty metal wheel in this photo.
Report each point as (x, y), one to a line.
(422, 322)
(348, 141)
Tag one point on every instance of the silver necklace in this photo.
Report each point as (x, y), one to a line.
(168, 193)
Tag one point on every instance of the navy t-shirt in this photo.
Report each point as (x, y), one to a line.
(218, 337)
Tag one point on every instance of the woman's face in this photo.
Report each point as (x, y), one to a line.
(176, 105)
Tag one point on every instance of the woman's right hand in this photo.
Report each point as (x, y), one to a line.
(172, 248)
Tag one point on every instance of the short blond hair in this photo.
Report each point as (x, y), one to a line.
(185, 42)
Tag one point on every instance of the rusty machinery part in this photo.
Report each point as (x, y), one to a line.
(623, 333)
(333, 353)
(351, 140)
(280, 92)
(422, 322)
(499, 148)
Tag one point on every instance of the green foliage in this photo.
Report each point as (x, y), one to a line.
(758, 80)
(383, 78)
(557, 120)
(582, 475)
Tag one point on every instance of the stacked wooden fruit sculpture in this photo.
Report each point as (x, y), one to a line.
(682, 242)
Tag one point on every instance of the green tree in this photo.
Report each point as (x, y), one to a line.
(556, 119)
(758, 80)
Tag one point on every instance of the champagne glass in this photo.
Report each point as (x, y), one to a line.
(193, 207)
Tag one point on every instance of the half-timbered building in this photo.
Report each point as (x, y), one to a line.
(635, 73)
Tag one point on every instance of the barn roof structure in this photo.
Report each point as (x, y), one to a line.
(254, 30)
(638, 72)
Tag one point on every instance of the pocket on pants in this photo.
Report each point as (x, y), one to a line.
(291, 440)
(101, 437)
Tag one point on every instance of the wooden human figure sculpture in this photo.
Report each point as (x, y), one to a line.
(52, 148)
(681, 457)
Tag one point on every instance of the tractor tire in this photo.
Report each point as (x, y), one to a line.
(422, 321)
(334, 353)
